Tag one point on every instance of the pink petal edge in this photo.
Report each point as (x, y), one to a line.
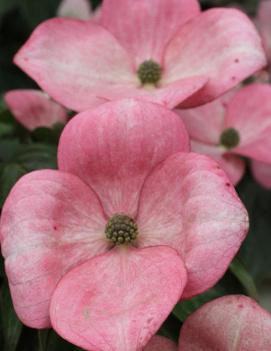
(262, 173)
(249, 113)
(51, 222)
(221, 44)
(34, 108)
(128, 139)
(232, 165)
(75, 61)
(124, 297)
(233, 322)
(264, 25)
(160, 343)
(206, 123)
(188, 203)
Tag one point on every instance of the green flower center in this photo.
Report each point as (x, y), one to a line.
(121, 229)
(230, 138)
(149, 72)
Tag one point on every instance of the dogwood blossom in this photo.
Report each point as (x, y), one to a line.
(237, 124)
(104, 247)
(233, 322)
(33, 108)
(162, 51)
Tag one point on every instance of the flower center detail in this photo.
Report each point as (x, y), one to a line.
(121, 229)
(230, 138)
(149, 72)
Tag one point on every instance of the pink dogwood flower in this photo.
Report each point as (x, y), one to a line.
(104, 247)
(33, 108)
(228, 323)
(161, 51)
(237, 124)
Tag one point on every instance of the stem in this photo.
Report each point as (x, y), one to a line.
(239, 271)
(43, 337)
(40, 341)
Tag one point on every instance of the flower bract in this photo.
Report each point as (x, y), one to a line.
(195, 56)
(34, 108)
(124, 168)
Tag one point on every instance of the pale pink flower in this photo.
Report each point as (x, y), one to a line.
(162, 51)
(237, 124)
(264, 24)
(262, 173)
(228, 323)
(33, 108)
(233, 322)
(125, 162)
(79, 9)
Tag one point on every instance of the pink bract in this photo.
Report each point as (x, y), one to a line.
(264, 25)
(248, 112)
(262, 173)
(160, 343)
(229, 323)
(126, 157)
(33, 108)
(196, 56)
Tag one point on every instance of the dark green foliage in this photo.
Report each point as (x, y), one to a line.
(22, 152)
(10, 327)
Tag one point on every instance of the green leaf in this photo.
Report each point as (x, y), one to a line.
(7, 5)
(9, 176)
(228, 284)
(245, 278)
(183, 309)
(5, 129)
(255, 251)
(38, 11)
(171, 328)
(48, 135)
(37, 156)
(7, 123)
(2, 104)
(8, 148)
(2, 269)
(10, 325)
(42, 339)
(95, 3)
(50, 341)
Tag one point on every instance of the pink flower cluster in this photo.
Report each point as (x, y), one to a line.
(132, 221)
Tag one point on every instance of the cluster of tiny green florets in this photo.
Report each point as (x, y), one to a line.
(149, 72)
(121, 229)
(230, 138)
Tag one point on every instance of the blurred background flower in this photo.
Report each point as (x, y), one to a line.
(25, 147)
